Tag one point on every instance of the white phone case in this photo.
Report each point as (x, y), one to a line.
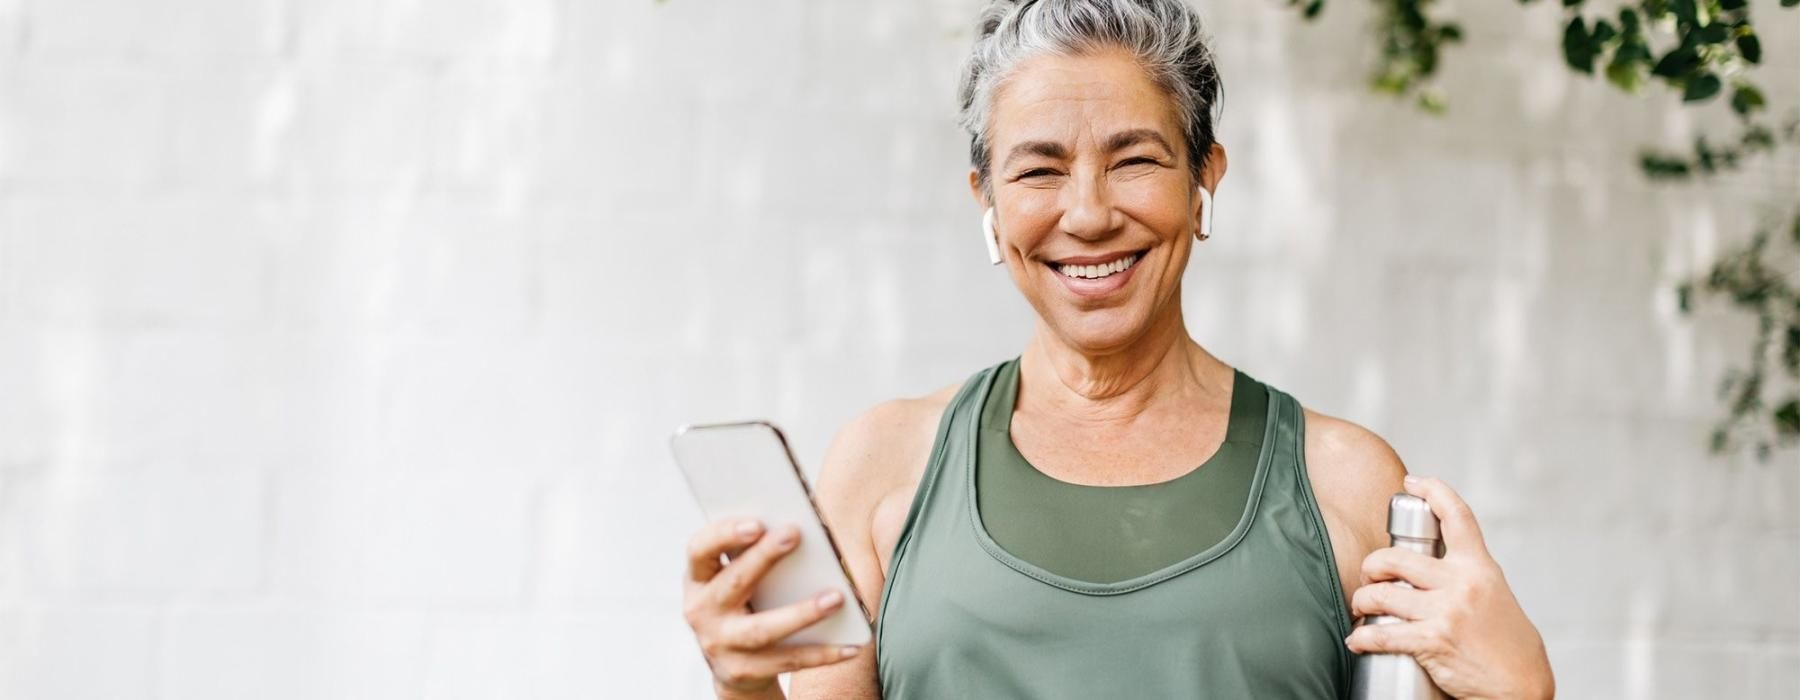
(747, 469)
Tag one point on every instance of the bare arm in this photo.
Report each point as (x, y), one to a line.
(1353, 473)
(865, 488)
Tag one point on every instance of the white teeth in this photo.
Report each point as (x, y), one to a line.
(1098, 271)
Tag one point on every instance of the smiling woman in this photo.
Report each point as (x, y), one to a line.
(1091, 176)
(1115, 511)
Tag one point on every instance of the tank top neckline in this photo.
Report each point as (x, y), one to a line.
(998, 423)
(1096, 588)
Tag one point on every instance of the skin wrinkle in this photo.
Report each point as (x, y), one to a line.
(1116, 142)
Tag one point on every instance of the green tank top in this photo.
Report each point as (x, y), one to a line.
(1112, 533)
(1258, 613)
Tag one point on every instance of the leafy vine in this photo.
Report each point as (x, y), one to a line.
(1707, 48)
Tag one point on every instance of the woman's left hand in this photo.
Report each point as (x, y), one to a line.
(1462, 622)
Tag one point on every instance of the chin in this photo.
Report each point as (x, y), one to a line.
(1100, 331)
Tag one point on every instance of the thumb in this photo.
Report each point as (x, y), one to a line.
(1455, 520)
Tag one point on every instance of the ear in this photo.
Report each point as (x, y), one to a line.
(1215, 168)
(975, 189)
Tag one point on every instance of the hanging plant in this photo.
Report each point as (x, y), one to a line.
(1702, 50)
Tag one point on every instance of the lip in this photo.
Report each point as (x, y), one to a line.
(1096, 288)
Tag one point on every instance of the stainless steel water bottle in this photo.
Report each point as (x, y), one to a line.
(1398, 676)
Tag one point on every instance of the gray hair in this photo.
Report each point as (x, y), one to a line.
(1164, 36)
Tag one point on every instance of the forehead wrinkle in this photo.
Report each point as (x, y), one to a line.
(1096, 91)
(1047, 149)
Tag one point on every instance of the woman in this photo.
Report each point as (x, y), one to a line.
(1042, 529)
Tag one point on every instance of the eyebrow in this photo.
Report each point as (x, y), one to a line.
(1117, 142)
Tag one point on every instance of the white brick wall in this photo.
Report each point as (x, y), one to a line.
(339, 340)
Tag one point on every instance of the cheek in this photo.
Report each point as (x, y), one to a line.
(1161, 206)
(1030, 217)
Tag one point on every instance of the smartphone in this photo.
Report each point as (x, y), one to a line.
(747, 469)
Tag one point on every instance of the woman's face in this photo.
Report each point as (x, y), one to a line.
(1094, 204)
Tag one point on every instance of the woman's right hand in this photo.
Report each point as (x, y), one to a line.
(741, 646)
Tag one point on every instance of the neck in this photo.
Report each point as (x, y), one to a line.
(1163, 365)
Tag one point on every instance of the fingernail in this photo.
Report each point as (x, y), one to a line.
(788, 538)
(1411, 480)
(848, 651)
(829, 598)
(748, 529)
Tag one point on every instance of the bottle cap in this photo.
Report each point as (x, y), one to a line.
(1410, 516)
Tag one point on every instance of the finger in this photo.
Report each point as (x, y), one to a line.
(726, 536)
(1396, 564)
(1455, 520)
(779, 660)
(1411, 638)
(1390, 599)
(734, 584)
(769, 627)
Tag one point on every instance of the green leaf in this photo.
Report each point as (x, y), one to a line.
(1790, 352)
(1571, 3)
(1757, 138)
(1313, 9)
(1701, 87)
(1633, 53)
(1712, 34)
(1685, 11)
(1657, 166)
(1625, 75)
(1787, 419)
(1789, 3)
(1603, 32)
(1676, 62)
(1745, 98)
(1578, 51)
(1684, 297)
(1628, 21)
(1731, 4)
(1632, 50)
(1450, 32)
(1750, 48)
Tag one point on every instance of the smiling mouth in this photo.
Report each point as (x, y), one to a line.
(1099, 271)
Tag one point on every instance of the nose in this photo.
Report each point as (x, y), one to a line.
(1087, 210)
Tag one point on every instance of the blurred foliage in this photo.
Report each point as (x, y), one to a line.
(1702, 50)
(1754, 281)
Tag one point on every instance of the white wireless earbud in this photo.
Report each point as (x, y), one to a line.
(988, 235)
(1206, 223)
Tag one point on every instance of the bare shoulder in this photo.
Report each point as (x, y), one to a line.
(1353, 472)
(877, 446)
